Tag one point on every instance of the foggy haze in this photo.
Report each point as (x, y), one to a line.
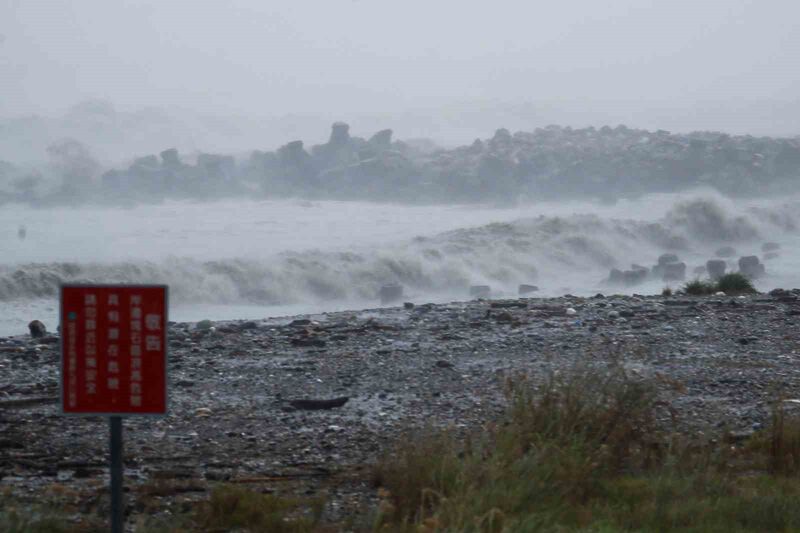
(277, 158)
(565, 233)
(448, 70)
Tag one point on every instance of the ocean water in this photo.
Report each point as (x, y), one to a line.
(258, 259)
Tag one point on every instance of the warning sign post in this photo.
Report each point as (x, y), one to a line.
(114, 361)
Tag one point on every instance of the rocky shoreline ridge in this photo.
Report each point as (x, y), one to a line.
(310, 402)
(553, 162)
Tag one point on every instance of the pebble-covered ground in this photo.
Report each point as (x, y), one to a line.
(237, 389)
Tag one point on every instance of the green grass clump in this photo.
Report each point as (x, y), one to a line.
(587, 452)
(735, 283)
(731, 284)
(235, 508)
(699, 287)
(228, 508)
(16, 517)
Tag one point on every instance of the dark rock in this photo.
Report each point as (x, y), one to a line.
(340, 134)
(738, 437)
(476, 147)
(408, 305)
(249, 325)
(300, 322)
(674, 272)
(170, 158)
(726, 251)
(317, 405)
(524, 289)
(382, 139)
(616, 276)
(634, 277)
(390, 293)
(716, 268)
(444, 364)
(480, 291)
(37, 329)
(13, 444)
(504, 316)
(666, 259)
(751, 267)
(502, 139)
(657, 271)
(308, 342)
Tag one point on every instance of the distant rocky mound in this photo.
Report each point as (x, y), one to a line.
(549, 163)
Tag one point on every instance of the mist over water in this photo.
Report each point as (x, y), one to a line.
(165, 142)
(253, 259)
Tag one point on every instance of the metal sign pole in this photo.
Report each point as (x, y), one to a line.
(117, 508)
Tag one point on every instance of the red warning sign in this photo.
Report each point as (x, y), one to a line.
(114, 349)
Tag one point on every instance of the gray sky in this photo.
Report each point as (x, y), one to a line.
(643, 58)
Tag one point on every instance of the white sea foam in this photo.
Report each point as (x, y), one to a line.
(256, 259)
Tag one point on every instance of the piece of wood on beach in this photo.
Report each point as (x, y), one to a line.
(316, 405)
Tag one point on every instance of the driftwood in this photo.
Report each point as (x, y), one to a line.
(316, 405)
(25, 402)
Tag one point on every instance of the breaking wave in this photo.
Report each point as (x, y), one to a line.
(553, 251)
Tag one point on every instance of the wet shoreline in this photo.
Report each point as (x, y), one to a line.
(237, 391)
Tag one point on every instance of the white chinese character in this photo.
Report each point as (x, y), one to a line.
(113, 367)
(136, 401)
(113, 316)
(73, 399)
(136, 337)
(136, 388)
(136, 351)
(91, 362)
(136, 325)
(136, 299)
(136, 363)
(90, 299)
(136, 312)
(91, 325)
(112, 350)
(91, 375)
(136, 375)
(113, 334)
(113, 383)
(90, 350)
(113, 299)
(152, 343)
(153, 322)
(91, 312)
(91, 337)
(91, 388)
(73, 364)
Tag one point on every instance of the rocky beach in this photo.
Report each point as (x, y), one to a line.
(307, 404)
